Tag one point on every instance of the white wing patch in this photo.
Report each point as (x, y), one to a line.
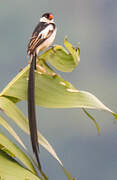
(43, 34)
(47, 42)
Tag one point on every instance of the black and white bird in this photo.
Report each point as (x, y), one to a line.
(42, 37)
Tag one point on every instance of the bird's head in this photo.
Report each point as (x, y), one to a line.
(47, 17)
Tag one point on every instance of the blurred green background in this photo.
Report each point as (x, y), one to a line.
(73, 135)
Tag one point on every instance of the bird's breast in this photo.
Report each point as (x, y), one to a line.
(47, 42)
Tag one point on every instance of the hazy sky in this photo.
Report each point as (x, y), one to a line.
(93, 23)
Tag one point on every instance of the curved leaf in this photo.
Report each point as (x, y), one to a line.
(91, 117)
(11, 149)
(11, 131)
(61, 59)
(58, 57)
(53, 92)
(12, 111)
(11, 170)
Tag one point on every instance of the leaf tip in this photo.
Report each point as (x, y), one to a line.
(115, 116)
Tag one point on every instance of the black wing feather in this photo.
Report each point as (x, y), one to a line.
(40, 27)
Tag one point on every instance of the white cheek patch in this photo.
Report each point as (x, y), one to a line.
(43, 19)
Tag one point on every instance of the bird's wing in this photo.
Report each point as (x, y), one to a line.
(39, 36)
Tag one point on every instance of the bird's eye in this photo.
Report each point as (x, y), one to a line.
(46, 15)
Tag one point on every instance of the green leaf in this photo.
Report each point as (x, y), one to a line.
(11, 131)
(11, 149)
(68, 175)
(11, 170)
(61, 59)
(74, 51)
(94, 121)
(53, 92)
(115, 115)
(12, 111)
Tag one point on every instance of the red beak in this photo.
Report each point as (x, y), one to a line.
(51, 16)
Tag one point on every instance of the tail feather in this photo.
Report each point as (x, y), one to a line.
(32, 111)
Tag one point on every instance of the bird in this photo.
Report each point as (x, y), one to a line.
(42, 37)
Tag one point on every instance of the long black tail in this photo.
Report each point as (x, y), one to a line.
(31, 110)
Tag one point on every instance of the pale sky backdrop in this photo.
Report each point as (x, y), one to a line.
(73, 135)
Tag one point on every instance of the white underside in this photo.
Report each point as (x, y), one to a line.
(47, 42)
